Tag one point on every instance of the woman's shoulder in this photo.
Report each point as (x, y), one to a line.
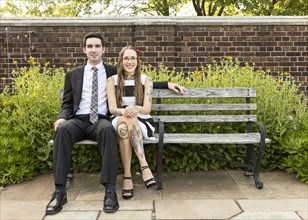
(144, 77)
(113, 79)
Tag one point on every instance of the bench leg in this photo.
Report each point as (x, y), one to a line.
(159, 166)
(257, 167)
(70, 174)
(159, 156)
(256, 164)
(250, 155)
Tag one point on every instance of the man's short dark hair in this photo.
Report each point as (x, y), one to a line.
(93, 35)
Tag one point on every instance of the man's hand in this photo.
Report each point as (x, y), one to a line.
(176, 88)
(58, 123)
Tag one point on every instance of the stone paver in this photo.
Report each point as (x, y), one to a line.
(303, 215)
(22, 210)
(222, 194)
(196, 209)
(74, 215)
(277, 185)
(267, 216)
(137, 205)
(126, 215)
(209, 185)
(272, 205)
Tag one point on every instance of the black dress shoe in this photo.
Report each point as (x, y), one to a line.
(56, 203)
(111, 202)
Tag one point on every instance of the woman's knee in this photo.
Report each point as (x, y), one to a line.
(123, 131)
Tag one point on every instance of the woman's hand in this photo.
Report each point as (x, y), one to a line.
(130, 111)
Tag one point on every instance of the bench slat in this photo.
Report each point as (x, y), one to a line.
(205, 118)
(238, 138)
(172, 138)
(207, 93)
(203, 107)
(90, 142)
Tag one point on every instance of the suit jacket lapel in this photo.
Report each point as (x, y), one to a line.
(79, 82)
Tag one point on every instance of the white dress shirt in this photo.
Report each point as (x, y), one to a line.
(85, 102)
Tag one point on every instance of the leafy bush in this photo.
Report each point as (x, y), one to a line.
(28, 110)
(295, 143)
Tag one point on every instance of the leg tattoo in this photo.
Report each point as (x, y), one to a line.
(136, 141)
(123, 131)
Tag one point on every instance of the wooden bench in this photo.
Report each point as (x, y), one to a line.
(198, 105)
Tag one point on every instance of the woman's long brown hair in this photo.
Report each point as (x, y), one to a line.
(138, 91)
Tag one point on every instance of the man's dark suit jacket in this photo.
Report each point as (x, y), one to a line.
(73, 89)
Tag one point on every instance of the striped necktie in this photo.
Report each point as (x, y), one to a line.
(94, 97)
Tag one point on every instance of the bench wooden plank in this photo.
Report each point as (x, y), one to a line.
(207, 93)
(237, 138)
(184, 138)
(90, 142)
(203, 107)
(205, 118)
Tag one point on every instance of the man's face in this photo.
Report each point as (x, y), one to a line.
(94, 50)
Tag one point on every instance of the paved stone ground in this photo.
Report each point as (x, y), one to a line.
(222, 194)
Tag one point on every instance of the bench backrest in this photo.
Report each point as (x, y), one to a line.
(200, 102)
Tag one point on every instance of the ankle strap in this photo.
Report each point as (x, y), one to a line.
(144, 167)
(127, 177)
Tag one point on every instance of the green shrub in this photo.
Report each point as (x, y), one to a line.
(28, 110)
(295, 143)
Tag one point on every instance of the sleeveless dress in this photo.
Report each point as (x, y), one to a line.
(145, 121)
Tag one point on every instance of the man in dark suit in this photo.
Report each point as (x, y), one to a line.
(74, 124)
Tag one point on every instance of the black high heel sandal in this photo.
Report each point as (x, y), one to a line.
(127, 193)
(149, 182)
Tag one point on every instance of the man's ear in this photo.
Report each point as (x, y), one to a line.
(84, 50)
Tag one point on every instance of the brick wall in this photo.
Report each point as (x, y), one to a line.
(187, 43)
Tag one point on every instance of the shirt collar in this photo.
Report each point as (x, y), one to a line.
(99, 66)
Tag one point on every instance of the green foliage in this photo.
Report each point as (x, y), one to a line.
(215, 7)
(295, 143)
(277, 7)
(79, 8)
(281, 107)
(28, 110)
(250, 8)
(52, 8)
(160, 8)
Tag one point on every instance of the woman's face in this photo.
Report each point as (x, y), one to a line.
(130, 61)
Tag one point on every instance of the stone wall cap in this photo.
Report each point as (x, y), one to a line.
(154, 20)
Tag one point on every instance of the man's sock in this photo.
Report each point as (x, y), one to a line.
(60, 187)
(110, 187)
